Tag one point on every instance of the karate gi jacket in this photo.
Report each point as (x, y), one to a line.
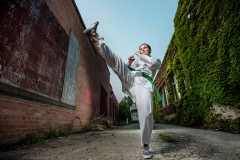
(144, 64)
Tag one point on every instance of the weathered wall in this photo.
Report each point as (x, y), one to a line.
(46, 47)
(93, 72)
(33, 47)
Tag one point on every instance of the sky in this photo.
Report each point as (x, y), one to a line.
(126, 24)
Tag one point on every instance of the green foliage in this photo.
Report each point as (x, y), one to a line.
(203, 55)
(58, 132)
(215, 122)
(124, 110)
(158, 115)
(32, 138)
(128, 100)
(52, 132)
(166, 138)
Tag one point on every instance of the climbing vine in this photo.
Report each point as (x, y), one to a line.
(157, 109)
(204, 57)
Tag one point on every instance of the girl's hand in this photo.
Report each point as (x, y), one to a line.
(130, 60)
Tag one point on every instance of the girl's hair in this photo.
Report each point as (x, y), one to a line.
(146, 45)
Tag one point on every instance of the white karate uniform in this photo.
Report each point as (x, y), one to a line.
(134, 85)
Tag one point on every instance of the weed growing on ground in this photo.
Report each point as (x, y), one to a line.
(57, 132)
(98, 124)
(32, 138)
(166, 138)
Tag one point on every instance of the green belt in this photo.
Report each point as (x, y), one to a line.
(150, 79)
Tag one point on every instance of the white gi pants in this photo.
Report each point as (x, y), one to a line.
(141, 95)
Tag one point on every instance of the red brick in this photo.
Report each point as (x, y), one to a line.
(6, 117)
(22, 104)
(6, 137)
(48, 112)
(22, 126)
(38, 114)
(3, 106)
(4, 97)
(42, 118)
(26, 122)
(16, 131)
(29, 114)
(15, 117)
(15, 140)
(4, 132)
(6, 121)
(2, 126)
(12, 112)
(29, 118)
(2, 101)
(23, 135)
(16, 108)
(24, 117)
(10, 103)
(35, 110)
(20, 113)
(26, 109)
(32, 103)
(17, 121)
(11, 127)
(26, 130)
(43, 112)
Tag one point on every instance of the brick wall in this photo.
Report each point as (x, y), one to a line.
(20, 115)
(162, 69)
(168, 109)
(161, 72)
(113, 112)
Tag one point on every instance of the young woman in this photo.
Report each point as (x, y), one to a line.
(136, 77)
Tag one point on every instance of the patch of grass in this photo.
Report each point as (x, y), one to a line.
(32, 138)
(57, 132)
(166, 138)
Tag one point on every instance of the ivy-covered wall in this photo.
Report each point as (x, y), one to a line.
(204, 56)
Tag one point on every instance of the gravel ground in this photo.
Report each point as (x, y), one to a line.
(124, 144)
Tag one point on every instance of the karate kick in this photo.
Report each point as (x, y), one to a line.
(136, 77)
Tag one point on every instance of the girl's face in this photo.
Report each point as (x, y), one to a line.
(145, 50)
